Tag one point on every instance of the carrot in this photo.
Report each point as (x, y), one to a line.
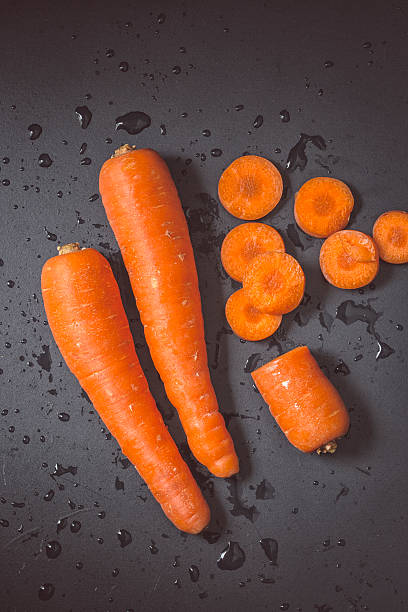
(89, 324)
(323, 206)
(245, 242)
(250, 187)
(274, 283)
(390, 233)
(145, 213)
(246, 321)
(349, 259)
(305, 404)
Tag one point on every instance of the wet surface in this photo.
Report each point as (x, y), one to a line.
(319, 92)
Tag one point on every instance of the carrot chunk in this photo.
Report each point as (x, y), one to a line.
(250, 187)
(305, 404)
(390, 234)
(245, 242)
(246, 321)
(323, 206)
(274, 283)
(349, 259)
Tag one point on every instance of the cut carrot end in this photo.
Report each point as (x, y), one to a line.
(68, 248)
(245, 242)
(126, 148)
(274, 283)
(390, 233)
(246, 321)
(250, 187)
(323, 206)
(349, 259)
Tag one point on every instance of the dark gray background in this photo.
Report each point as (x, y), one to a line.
(267, 56)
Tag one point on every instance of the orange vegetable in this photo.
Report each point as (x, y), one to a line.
(349, 259)
(305, 404)
(245, 242)
(323, 206)
(274, 283)
(246, 321)
(250, 187)
(89, 324)
(145, 213)
(390, 234)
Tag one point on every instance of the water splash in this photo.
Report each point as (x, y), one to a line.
(297, 155)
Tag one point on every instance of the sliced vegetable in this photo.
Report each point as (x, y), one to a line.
(246, 321)
(390, 234)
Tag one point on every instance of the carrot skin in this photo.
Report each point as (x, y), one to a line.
(89, 324)
(144, 210)
(305, 404)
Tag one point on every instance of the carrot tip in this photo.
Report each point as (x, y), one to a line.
(123, 149)
(330, 447)
(68, 248)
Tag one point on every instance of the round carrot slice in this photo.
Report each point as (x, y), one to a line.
(246, 321)
(274, 283)
(245, 242)
(323, 206)
(250, 187)
(349, 259)
(390, 233)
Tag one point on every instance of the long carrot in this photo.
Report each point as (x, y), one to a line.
(145, 213)
(305, 404)
(89, 324)
(248, 322)
(390, 233)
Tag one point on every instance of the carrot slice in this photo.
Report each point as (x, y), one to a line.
(390, 233)
(274, 283)
(245, 242)
(246, 321)
(305, 404)
(349, 259)
(250, 187)
(323, 206)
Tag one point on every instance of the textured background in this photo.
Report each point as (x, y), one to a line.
(340, 522)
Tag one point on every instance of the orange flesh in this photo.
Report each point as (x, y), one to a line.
(390, 234)
(349, 259)
(323, 206)
(274, 283)
(246, 321)
(250, 187)
(245, 242)
(305, 404)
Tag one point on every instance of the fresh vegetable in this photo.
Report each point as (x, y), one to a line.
(305, 404)
(323, 206)
(250, 187)
(274, 283)
(145, 213)
(245, 242)
(349, 259)
(248, 322)
(89, 324)
(390, 234)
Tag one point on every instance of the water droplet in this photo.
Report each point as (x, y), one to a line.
(124, 537)
(232, 557)
(46, 591)
(252, 362)
(86, 161)
(239, 107)
(153, 548)
(53, 549)
(320, 92)
(161, 18)
(176, 70)
(284, 606)
(367, 45)
(44, 160)
(358, 357)
(35, 131)
(297, 155)
(26, 439)
(341, 542)
(10, 284)
(75, 526)
(284, 116)
(342, 368)
(48, 496)
(60, 470)
(4, 523)
(109, 52)
(216, 152)
(123, 66)
(258, 121)
(265, 490)
(63, 416)
(5, 182)
(206, 133)
(194, 573)
(84, 116)
(133, 122)
(328, 64)
(270, 548)
(182, 49)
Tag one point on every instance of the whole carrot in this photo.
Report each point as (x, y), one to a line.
(89, 324)
(145, 213)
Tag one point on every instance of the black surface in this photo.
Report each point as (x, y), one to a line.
(340, 522)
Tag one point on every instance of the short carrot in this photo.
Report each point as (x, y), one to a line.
(274, 283)
(145, 213)
(349, 259)
(245, 242)
(246, 321)
(390, 233)
(89, 324)
(323, 206)
(250, 187)
(305, 404)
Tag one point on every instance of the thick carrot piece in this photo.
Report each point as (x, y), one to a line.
(349, 259)
(274, 283)
(323, 206)
(305, 404)
(246, 321)
(250, 187)
(145, 213)
(245, 242)
(89, 324)
(390, 233)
